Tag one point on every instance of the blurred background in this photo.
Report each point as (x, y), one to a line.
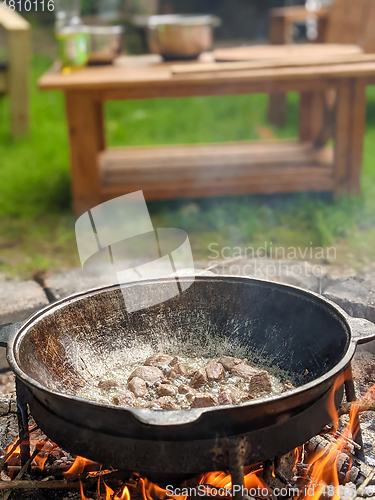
(36, 216)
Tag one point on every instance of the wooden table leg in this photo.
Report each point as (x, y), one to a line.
(358, 103)
(350, 130)
(86, 133)
(277, 105)
(311, 115)
(342, 136)
(280, 32)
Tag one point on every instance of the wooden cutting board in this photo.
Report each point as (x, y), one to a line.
(256, 52)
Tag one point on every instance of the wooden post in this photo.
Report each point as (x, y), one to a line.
(86, 133)
(342, 136)
(280, 33)
(310, 115)
(358, 103)
(19, 68)
(350, 132)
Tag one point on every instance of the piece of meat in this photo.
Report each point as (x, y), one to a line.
(234, 394)
(259, 380)
(150, 374)
(185, 389)
(260, 383)
(225, 397)
(124, 399)
(138, 387)
(204, 400)
(109, 384)
(229, 362)
(199, 378)
(214, 371)
(158, 360)
(164, 403)
(166, 390)
(287, 386)
(188, 391)
(244, 371)
(177, 368)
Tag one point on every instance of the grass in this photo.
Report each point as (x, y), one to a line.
(36, 220)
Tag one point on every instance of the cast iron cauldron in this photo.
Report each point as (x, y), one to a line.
(278, 326)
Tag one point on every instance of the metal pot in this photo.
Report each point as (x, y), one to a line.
(105, 43)
(277, 325)
(181, 36)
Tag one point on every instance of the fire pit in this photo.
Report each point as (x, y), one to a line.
(60, 348)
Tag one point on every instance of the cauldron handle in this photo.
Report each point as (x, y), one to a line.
(363, 331)
(7, 331)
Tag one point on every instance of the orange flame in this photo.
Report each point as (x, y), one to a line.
(217, 480)
(78, 467)
(83, 496)
(150, 491)
(322, 466)
(110, 494)
(45, 447)
(221, 480)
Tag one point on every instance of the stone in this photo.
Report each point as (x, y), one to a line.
(8, 422)
(7, 384)
(292, 272)
(355, 295)
(19, 300)
(79, 280)
(363, 365)
(3, 359)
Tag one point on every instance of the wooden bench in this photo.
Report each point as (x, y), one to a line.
(14, 74)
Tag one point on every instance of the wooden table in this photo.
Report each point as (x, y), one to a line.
(99, 174)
